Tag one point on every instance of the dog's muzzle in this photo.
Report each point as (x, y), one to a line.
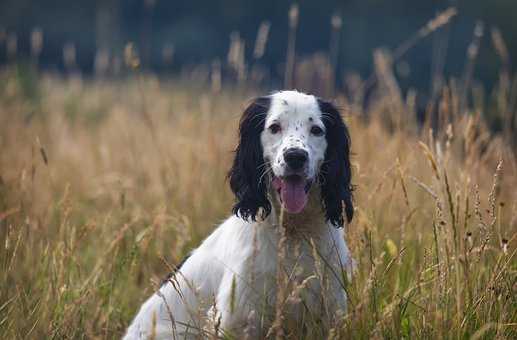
(296, 159)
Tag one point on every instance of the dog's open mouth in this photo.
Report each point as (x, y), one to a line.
(293, 191)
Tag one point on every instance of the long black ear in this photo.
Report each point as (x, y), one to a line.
(336, 174)
(248, 165)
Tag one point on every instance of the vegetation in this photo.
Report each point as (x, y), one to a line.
(106, 184)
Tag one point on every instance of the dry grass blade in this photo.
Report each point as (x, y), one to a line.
(430, 157)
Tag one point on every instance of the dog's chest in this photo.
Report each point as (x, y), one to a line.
(299, 268)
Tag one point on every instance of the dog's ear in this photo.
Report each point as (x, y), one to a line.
(336, 174)
(248, 164)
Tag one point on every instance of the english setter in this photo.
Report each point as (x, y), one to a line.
(291, 170)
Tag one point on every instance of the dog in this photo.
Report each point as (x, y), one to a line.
(291, 177)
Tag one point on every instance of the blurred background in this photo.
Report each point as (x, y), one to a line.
(174, 36)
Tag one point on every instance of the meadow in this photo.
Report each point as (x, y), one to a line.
(106, 184)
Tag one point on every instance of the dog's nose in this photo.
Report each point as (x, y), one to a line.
(295, 158)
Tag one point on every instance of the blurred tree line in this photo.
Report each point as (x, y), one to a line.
(174, 35)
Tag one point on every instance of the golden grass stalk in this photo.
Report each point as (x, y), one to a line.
(276, 328)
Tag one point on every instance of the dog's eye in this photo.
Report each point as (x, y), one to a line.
(316, 130)
(275, 128)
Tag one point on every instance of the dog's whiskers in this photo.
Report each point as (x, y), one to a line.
(266, 172)
(263, 165)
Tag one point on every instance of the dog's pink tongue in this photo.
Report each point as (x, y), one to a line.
(293, 195)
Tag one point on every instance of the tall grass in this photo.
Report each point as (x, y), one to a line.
(97, 204)
(106, 184)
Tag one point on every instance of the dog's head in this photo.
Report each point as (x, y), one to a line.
(290, 141)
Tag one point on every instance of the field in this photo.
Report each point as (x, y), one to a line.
(106, 184)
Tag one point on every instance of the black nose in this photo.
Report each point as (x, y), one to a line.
(295, 158)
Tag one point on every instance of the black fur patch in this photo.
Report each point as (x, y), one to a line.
(336, 174)
(248, 164)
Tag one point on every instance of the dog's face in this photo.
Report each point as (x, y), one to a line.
(294, 144)
(290, 141)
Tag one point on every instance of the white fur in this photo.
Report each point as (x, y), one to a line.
(231, 276)
(296, 113)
